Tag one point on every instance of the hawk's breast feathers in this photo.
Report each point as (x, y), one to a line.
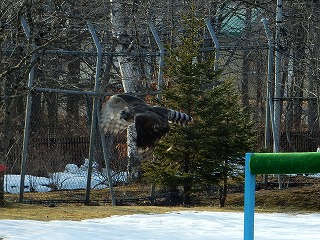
(151, 122)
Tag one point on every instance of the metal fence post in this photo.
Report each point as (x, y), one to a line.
(269, 79)
(24, 156)
(94, 109)
(161, 49)
(216, 43)
(107, 156)
(277, 84)
(269, 101)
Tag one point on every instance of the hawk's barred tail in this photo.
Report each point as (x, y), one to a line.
(179, 117)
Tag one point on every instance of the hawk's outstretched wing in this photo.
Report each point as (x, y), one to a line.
(151, 122)
(113, 119)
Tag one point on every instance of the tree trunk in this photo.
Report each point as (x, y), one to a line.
(246, 64)
(187, 182)
(73, 67)
(4, 136)
(129, 66)
(52, 111)
(299, 35)
(311, 75)
(73, 100)
(260, 109)
(224, 188)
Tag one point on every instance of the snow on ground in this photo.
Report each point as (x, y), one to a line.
(183, 225)
(73, 177)
(171, 226)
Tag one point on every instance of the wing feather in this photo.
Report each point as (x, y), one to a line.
(151, 122)
(110, 116)
(150, 128)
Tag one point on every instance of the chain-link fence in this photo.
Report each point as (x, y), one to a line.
(56, 146)
(63, 92)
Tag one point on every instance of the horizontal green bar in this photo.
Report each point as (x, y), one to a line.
(285, 163)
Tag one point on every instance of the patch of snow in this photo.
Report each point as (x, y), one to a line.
(73, 177)
(184, 225)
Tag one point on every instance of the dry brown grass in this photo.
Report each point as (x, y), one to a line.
(293, 199)
(78, 212)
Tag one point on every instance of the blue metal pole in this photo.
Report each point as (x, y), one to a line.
(249, 200)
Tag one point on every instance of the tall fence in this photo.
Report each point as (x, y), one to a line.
(55, 146)
(57, 169)
(56, 151)
(74, 150)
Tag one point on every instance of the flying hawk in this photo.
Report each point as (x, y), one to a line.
(150, 122)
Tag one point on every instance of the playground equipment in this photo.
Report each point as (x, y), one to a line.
(272, 163)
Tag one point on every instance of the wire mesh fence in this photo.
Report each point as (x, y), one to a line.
(56, 164)
(62, 106)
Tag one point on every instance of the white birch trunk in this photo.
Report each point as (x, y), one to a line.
(128, 65)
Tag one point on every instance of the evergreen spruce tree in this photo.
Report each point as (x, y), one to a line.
(198, 156)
